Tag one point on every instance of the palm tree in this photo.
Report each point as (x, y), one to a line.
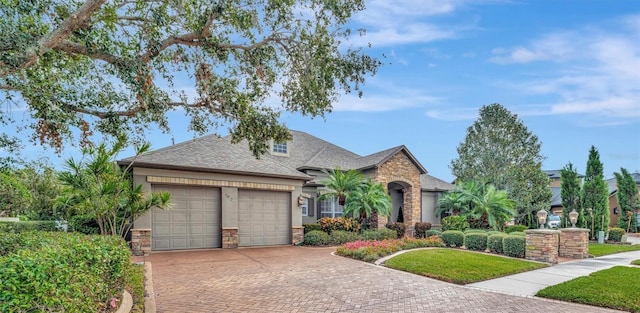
(340, 184)
(495, 204)
(367, 199)
(451, 200)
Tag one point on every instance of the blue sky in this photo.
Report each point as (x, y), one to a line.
(570, 69)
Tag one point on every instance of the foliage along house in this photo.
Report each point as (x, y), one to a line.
(223, 197)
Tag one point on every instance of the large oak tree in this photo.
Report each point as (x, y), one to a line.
(500, 150)
(118, 66)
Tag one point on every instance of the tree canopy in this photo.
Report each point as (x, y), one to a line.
(595, 193)
(570, 194)
(499, 149)
(118, 66)
(628, 200)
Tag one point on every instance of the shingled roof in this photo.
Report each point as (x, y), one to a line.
(428, 182)
(217, 154)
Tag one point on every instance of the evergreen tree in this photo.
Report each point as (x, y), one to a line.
(500, 150)
(570, 194)
(628, 200)
(595, 192)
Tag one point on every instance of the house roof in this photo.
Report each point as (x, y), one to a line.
(428, 182)
(556, 199)
(556, 174)
(217, 154)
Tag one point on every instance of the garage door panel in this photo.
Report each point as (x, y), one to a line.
(193, 222)
(263, 218)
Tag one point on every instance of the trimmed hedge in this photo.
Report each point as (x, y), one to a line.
(432, 232)
(453, 238)
(328, 224)
(494, 242)
(397, 227)
(518, 228)
(17, 227)
(493, 232)
(475, 230)
(421, 229)
(378, 234)
(85, 224)
(339, 237)
(518, 233)
(455, 222)
(476, 241)
(311, 227)
(615, 234)
(513, 246)
(62, 272)
(316, 238)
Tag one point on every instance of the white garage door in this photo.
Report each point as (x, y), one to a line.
(263, 218)
(192, 223)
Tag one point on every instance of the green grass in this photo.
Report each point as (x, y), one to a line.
(459, 267)
(134, 283)
(615, 288)
(635, 262)
(600, 249)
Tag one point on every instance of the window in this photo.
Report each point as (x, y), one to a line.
(305, 207)
(330, 208)
(280, 147)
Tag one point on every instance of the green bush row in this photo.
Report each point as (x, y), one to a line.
(338, 237)
(507, 244)
(17, 227)
(56, 272)
(615, 234)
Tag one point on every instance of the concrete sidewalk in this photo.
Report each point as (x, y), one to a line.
(529, 283)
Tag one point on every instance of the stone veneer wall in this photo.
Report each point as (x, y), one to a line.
(400, 169)
(229, 237)
(574, 243)
(542, 245)
(297, 234)
(141, 241)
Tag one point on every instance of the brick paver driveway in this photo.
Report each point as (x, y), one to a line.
(298, 279)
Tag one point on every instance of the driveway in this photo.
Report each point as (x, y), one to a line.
(300, 279)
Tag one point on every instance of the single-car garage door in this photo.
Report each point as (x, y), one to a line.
(263, 218)
(193, 222)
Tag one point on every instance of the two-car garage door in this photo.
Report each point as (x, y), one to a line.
(195, 219)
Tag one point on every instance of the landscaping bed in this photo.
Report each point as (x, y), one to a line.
(458, 266)
(615, 288)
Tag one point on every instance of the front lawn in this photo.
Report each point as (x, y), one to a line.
(600, 249)
(459, 267)
(635, 262)
(615, 288)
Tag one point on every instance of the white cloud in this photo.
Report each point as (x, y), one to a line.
(388, 97)
(595, 71)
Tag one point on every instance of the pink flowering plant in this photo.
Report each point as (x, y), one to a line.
(371, 250)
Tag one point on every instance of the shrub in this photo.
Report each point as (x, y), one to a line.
(378, 234)
(493, 232)
(311, 227)
(329, 224)
(476, 241)
(432, 232)
(454, 223)
(453, 238)
(316, 238)
(21, 226)
(85, 224)
(397, 227)
(518, 228)
(475, 230)
(421, 229)
(479, 223)
(372, 250)
(513, 246)
(339, 237)
(518, 233)
(494, 242)
(72, 273)
(615, 234)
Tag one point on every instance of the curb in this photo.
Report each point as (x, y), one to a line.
(149, 293)
(127, 303)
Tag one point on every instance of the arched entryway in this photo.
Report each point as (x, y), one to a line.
(396, 192)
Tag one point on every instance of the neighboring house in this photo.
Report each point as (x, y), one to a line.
(224, 197)
(556, 199)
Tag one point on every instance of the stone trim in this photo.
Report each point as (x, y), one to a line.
(217, 183)
(297, 234)
(229, 237)
(574, 243)
(141, 241)
(542, 245)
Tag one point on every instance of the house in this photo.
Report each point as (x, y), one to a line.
(223, 197)
(614, 210)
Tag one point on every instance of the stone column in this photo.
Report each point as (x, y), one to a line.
(574, 243)
(141, 241)
(297, 234)
(229, 237)
(542, 245)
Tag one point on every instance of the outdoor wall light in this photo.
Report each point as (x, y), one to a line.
(573, 218)
(300, 200)
(542, 218)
